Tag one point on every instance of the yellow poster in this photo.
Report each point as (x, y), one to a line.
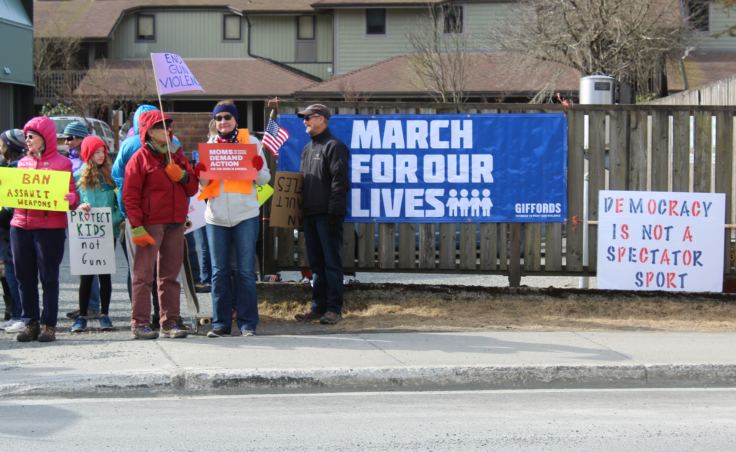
(263, 193)
(34, 189)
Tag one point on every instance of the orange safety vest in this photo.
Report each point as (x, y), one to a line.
(212, 189)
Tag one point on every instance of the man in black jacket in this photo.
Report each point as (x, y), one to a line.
(324, 166)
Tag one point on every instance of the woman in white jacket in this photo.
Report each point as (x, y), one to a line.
(232, 229)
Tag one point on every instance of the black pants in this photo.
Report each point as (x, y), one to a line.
(85, 287)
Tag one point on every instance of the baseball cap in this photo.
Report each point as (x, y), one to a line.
(315, 109)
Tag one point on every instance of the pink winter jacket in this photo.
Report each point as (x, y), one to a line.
(50, 160)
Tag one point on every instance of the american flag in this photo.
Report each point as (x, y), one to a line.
(274, 137)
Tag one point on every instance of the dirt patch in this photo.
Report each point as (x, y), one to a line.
(394, 307)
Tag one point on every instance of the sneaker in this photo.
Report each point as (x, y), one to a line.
(29, 333)
(105, 323)
(308, 316)
(16, 326)
(80, 325)
(306, 280)
(48, 334)
(202, 288)
(271, 278)
(217, 333)
(245, 332)
(330, 318)
(144, 332)
(174, 332)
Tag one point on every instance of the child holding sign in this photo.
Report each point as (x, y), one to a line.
(96, 189)
(37, 236)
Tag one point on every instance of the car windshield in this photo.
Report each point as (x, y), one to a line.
(61, 124)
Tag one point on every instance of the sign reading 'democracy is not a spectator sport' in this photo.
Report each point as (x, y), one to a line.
(448, 168)
(91, 242)
(661, 241)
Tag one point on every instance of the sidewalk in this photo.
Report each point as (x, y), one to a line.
(100, 365)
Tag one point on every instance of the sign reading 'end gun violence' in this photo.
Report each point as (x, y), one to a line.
(286, 205)
(228, 160)
(91, 242)
(661, 241)
(34, 189)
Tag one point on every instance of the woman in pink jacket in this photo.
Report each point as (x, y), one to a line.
(37, 236)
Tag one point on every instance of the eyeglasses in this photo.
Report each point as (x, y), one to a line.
(68, 138)
(219, 118)
(31, 136)
(307, 118)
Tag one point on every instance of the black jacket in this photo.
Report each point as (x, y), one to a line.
(324, 166)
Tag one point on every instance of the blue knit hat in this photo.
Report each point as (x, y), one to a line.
(76, 129)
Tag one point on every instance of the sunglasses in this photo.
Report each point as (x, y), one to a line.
(31, 136)
(68, 138)
(160, 125)
(219, 118)
(307, 118)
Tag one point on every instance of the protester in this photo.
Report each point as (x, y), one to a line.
(37, 236)
(158, 184)
(74, 133)
(96, 189)
(232, 226)
(324, 165)
(12, 149)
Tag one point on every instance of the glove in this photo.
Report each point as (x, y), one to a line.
(141, 237)
(70, 197)
(198, 168)
(258, 162)
(174, 172)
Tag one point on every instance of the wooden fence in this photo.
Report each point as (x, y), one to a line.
(721, 92)
(626, 147)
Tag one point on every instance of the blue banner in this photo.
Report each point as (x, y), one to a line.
(448, 168)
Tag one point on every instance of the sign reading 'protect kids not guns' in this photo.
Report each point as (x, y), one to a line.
(34, 189)
(661, 241)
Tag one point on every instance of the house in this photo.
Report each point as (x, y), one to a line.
(16, 63)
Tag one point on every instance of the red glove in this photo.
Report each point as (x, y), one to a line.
(258, 162)
(198, 168)
(174, 172)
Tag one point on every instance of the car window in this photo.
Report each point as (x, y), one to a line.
(61, 124)
(98, 129)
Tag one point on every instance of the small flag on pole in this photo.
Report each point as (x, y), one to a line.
(274, 137)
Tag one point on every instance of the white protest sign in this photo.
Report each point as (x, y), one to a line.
(661, 241)
(91, 242)
(196, 214)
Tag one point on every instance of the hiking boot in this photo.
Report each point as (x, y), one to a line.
(217, 333)
(48, 334)
(330, 318)
(80, 325)
(29, 333)
(105, 323)
(309, 316)
(174, 332)
(144, 332)
(202, 288)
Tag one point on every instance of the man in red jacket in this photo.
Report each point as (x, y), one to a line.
(158, 184)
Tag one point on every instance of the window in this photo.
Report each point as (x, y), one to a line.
(453, 18)
(231, 27)
(145, 27)
(697, 14)
(375, 21)
(305, 27)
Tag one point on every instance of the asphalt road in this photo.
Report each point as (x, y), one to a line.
(652, 420)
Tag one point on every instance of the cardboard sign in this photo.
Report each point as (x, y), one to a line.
(286, 206)
(34, 189)
(91, 242)
(228, 160)
(661, 241)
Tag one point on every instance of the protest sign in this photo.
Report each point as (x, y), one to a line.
(91, 242)
(172, 74)
(195, 214)
(661, 241)
(228, 160)
(34, 189)
(263, 193)
(286, 205)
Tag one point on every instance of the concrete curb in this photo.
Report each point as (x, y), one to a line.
(219, 381)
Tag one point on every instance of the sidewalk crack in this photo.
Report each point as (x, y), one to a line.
(167, 355)
(374, 345)
(625, 356)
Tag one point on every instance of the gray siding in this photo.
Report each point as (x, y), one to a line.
(18, 56)
(190, 33)
(722, 21)
(275, 37)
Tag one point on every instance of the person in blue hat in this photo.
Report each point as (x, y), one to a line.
(74, 133)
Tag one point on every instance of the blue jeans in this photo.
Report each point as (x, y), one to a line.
(7, 256)
(94, 295)
(237, 288)
(203, 252)
(324, 252)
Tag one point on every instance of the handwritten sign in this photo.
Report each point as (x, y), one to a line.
(34, 189)
(661, 241)
(91, 242)
(172, 74)
(286, 206)
(228, 160)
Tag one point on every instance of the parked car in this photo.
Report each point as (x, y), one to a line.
(95, 127)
